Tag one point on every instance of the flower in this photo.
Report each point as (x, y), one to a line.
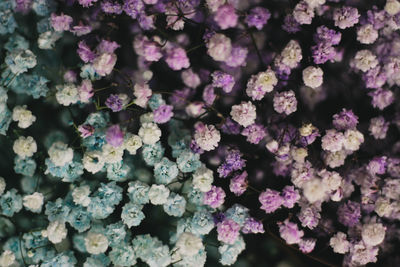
(96, 243)
(25, 146)
(206, 136)
(244, 113)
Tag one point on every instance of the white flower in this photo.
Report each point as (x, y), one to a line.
(383, 207)
(7, 258)
(158, 194)
(25, 146)
(392, 7)
(195, 109)
(207, 137)
(34, 202)
(60, 154)
(93, 161)
(203, 179)
(291, 54)
(55, 232)
(219, 47)
(112, 154)
(188, 244)
(314, 3)
(244, 114)
(352, 140)
(373, 234)
(331, 180)
(260, 84)
(80, 195)
(299, 153)
(2, 185)
(150, 133)
(147, 117)
(366, 34)
(24, 117)
(132, 143)
(339, 243)
(365, 60)
(67, 94)
(104, 64)
(142, 92)
(335, 159)
(313, 76)
(314, 190)
(96, 243)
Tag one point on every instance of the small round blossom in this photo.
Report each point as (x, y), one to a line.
(67, 94)
(215, 197)
(339, 243)
(332, 140)
(349, 213)
(85, 91)
(60, 154)
(238, 184)
(114, 103)
(115, 136)
(110, 154)
(381, 98)
(307, 245)
(254, 133)
(314, 190)
(158, 194)
(190, 78)
(285, 102)
(373, 234)
(223, 80)
(366, 34)
(55, 232)
(80, 195)
(149, 133)
(270, 200)
(203, 179)
(23, 116)
(96, 243)
(177, 59)
(188, 244)
(132, 143)
(34, 202)
(253, 226)
(226, 17)
(104, 64)
(290, 196)
(219, 47)
(93, 161)
(344, 120)
(7, 258)
(291, 54)
(290, 232)
(60, 23)
(392, 7)
(345, 17)
(365, 60)
(206, 136)
(303, 13)
(352, 140)
(228, 231)
(257, 17)
(25, 146)
(163, 114)
(313, 76)
(378, 127)
(244, 113)
(260, 84)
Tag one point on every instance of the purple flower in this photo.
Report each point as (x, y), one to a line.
(23, 6)
(349, 213)
(80, 29)
(254, 133)
(290, 232)
(133, 8)
(60, 23)
(307, 245)
(377, 165)
(177, 59)
(322, 53)
(290, 196)
(85, 53)
(345, 17)
(344, 120)
(290, 24)
(114, 103)
(223, 80)
(233, 162)
(111, 7)
(252, 226)
(270, 200)
(230, 127)
(215, 197)
(209, 95)
(258, 17)
(107, 47)
(114, 136)
(228, 231)
(381, 98)
(87, 3)
(86, 130)
(163, 114)
(226, 16)
(327, 36)
(239, 183)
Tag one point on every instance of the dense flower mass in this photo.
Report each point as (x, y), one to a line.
(168, 132)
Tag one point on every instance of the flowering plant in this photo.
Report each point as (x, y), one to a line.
(153, 131)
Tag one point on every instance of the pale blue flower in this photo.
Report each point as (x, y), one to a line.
(165, 171)
(229, 253)
(10, 203)
(57, 211)
(238, 213)
(188, 161)
(152, 154)
(175, 205)
(24, 166)
(64, 259)
(122, 255)
(115, 233)
(138, 192)
(79, 218)
(132, 214)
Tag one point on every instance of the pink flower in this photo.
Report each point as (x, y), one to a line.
(228, 231)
